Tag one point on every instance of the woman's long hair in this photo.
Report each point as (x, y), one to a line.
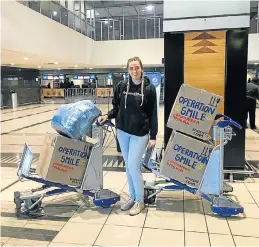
(133, 59)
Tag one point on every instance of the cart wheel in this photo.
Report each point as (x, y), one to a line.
(147, 193)
(106, 206)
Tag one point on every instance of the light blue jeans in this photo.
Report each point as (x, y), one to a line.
(133, 148)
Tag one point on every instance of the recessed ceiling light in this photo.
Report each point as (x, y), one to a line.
(76, 65)
(12, 64)
(255, 63)
(26, 58)
(39, 67)
(56, 63)
(59, 68)
(90, 68)
(150, 7)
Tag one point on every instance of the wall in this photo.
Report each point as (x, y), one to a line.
(77, 82)
(151, 51)
(25, 30)
(46, 82)
(253, 47)
(117, 52)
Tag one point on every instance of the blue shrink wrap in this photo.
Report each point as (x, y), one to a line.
(75, 120)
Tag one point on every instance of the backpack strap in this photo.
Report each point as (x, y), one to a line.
(121, 85)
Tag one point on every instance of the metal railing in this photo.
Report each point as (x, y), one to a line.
(73, 95)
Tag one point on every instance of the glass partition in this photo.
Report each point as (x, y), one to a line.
(35, 5)
(64, 16)
(71, 20)
(129, 22)
(55, 11)
(45, 8)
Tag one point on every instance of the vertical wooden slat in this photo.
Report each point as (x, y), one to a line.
(204, 62)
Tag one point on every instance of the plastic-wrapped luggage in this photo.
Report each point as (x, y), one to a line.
(75, 120)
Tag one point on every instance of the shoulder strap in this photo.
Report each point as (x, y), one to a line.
(121, 86)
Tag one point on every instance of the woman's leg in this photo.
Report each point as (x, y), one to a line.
(137, 148)
(124, 141)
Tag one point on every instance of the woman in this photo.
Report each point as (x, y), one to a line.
(135, 110)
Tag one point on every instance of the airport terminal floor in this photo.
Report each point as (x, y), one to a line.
(177, 219)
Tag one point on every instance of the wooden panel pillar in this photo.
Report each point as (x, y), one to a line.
(204, 62)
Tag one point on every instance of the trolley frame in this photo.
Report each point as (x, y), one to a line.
(220, 203)
(91, 186)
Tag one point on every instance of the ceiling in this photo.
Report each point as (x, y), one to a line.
(16, 59)
(106, 4)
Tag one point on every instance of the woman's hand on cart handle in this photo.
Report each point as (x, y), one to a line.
(102, 119)
(152, 143)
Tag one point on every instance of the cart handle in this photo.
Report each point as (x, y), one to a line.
(226, 122)
(107, 123)
(222, 115)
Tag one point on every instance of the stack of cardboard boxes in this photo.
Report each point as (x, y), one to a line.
(189, 148)
(62, 159)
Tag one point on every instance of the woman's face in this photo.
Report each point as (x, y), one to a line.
(135, 70)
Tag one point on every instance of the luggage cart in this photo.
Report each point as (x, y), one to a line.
(30, 202)
(212, 187)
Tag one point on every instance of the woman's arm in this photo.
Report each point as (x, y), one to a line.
(115, 102)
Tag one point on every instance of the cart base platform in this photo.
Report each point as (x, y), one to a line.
(31, 204)
(226, 207)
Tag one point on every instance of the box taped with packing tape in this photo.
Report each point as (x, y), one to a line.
(185, 159)
(194, 111)
(64, 160)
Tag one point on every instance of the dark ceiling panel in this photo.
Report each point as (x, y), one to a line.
(106, 4)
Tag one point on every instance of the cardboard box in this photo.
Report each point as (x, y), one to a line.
(194, 111)
(64, 160)
(185, 159)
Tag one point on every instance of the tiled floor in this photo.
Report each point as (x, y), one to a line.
(178, 218)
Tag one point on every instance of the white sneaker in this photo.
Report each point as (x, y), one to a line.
(137, 208)
(128, 205)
